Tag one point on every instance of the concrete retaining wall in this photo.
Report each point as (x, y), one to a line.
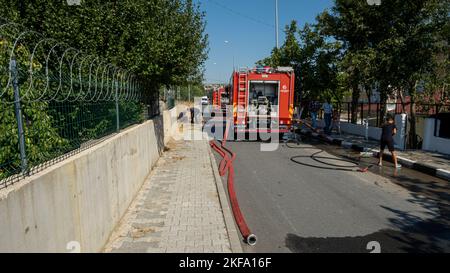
(81, 199)
(170, 122)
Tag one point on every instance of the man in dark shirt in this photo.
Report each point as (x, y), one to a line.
(387, 139)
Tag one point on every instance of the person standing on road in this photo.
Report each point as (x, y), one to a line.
(192, 111)
(314, 107)
(328, 113)
(387, 139)
(336, 124)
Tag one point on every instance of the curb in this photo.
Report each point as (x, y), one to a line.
(233, 235)
(411, 164)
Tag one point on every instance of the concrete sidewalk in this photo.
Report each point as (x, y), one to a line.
(427, 162)
(178, 208)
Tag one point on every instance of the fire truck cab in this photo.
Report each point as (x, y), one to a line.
(263, 99)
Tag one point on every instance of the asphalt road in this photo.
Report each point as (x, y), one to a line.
(297, 208)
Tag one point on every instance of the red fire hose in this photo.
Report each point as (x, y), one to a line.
(227, 165)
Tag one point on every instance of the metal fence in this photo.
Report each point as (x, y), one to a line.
(56, 101)
(372, 112)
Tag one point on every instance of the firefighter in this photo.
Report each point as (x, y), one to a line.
(336, 123)
(254, 94)
(314, 107)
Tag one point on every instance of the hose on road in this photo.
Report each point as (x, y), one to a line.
(353, 166)
(226, 165)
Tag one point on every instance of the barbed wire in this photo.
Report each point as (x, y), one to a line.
(76, 74)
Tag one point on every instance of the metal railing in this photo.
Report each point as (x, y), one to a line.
(56, 101)
(372, 112)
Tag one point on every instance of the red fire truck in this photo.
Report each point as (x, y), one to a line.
(220, 98)
(263, 99)
(217, 95)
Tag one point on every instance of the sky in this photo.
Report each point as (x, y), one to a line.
(244, 30)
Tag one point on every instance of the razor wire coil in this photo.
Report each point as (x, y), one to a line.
(68, 100)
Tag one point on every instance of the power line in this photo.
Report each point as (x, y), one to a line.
(214, 80)
(256, 20)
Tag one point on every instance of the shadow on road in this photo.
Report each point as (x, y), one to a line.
(412, 234)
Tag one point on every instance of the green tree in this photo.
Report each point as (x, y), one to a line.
(406, 51)
(349, 22)
(162, 42)
(391, 45)
(313, 58)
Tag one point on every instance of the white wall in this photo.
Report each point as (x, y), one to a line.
(375, 132)
(82, 198)
(432, 143)
(357, 129)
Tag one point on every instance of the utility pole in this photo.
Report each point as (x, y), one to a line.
(276, 23)
(232, 50)
(189, 93)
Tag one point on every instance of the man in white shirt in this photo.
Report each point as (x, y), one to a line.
(328, 113)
